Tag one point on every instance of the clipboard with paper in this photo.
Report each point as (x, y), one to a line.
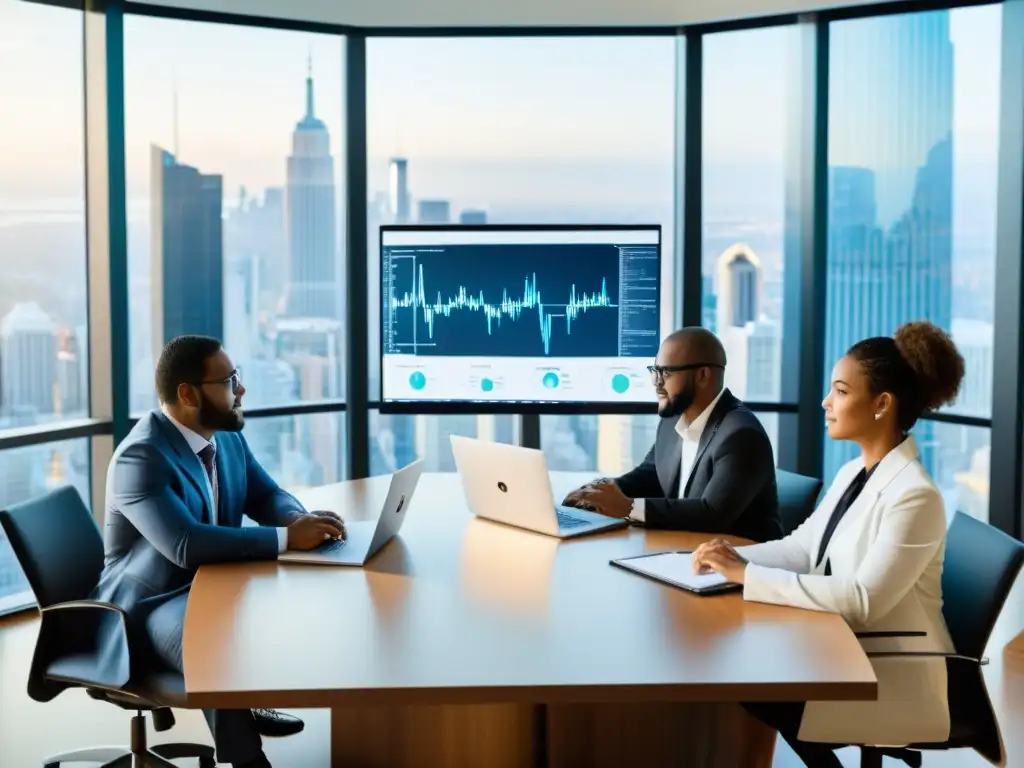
(676, 569)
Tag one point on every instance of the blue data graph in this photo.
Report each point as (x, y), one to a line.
(512, 309)
(507, 301)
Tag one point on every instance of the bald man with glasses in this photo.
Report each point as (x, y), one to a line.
(711, 468)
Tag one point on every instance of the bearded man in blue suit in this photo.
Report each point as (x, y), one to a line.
(178, 487)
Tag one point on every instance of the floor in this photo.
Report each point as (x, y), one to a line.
(29, 731)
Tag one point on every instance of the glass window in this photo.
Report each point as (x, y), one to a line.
(44, 373)
(396, 440)
(300, 451)
(517, 130)
(233, 142)
(27, 473)
(746, 82)
(913, 143)
(611, 445)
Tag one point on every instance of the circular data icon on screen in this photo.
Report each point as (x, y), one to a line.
(550, 380)
(486, 385)
(620, 383)
(417, 380)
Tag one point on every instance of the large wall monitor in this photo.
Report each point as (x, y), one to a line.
(519, 319)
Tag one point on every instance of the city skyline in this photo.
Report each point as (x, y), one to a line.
(623, 114)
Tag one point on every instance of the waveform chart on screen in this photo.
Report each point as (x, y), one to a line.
(519, 315)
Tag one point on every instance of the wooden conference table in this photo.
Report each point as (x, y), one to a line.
(467, 643)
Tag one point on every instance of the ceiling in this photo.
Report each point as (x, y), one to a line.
(509, 13)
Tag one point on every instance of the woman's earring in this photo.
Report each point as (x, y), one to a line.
(878, 416)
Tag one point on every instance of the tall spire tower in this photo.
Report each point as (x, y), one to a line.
(313, 289)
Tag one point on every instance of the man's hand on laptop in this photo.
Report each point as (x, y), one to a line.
(330, 516)
(602, 496)
(310, 531)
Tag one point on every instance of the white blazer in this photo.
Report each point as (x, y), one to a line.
(886, 556)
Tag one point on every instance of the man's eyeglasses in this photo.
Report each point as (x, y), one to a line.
(234, 379)
(662, 372)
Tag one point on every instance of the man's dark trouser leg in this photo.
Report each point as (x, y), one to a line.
(234, 730)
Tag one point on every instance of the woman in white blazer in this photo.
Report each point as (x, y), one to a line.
(871, 552)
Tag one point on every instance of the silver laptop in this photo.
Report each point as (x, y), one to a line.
(365, 537)
(511, 485)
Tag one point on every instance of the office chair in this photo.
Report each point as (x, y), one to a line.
(979, 568)
(59, 548)
(798, 495)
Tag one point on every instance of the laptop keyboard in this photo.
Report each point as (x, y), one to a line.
(330, 547)
(568, 521)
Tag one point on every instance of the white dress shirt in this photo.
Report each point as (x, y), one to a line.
(690, 434)
(197, 443)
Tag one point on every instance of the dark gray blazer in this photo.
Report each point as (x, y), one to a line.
(157, 528)
(731, 488)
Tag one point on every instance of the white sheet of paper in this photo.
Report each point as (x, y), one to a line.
(677, 567)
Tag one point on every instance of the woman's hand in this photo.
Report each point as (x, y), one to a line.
(720, 556)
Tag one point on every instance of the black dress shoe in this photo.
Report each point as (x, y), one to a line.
(274, 724)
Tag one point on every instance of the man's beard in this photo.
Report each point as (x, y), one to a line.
(213, 418)
(677, 406)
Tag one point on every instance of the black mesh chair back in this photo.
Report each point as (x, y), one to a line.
(58, 545)
(979, 569)
(798, 496)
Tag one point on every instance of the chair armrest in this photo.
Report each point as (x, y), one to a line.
(938, 654)
(87, 604)
(85, 642)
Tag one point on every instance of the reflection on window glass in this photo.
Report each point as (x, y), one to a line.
(913, 142)
(44, 374)
(611, 445)
(27, 473)
(234, 176)
(747, 80)
(300, 451)
(515, 130)
(397, 440)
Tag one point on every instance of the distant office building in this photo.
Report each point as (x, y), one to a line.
(399, 201)
(473, 216)
(313, 348)
(753, 343)
(974, 339)
(738, 271)
(709, 304)
(28, 351)
(71, 384)
(435, 211)
(255, 234)
(753, 351)
(890, 247)
(186, 250)
(313, 255)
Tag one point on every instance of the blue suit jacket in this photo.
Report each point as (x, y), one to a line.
(157, 531)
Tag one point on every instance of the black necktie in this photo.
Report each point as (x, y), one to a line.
(207, 457)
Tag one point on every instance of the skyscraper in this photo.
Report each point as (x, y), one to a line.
(313, 256)
(28, 348)
(739, 287)
(186, 249)
(398, 190)
(473, 216)
(890, 188)
(435, 211)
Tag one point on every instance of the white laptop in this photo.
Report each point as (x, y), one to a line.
(510, 484)
(365, 537)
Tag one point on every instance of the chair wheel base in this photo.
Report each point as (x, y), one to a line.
(207, 762)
